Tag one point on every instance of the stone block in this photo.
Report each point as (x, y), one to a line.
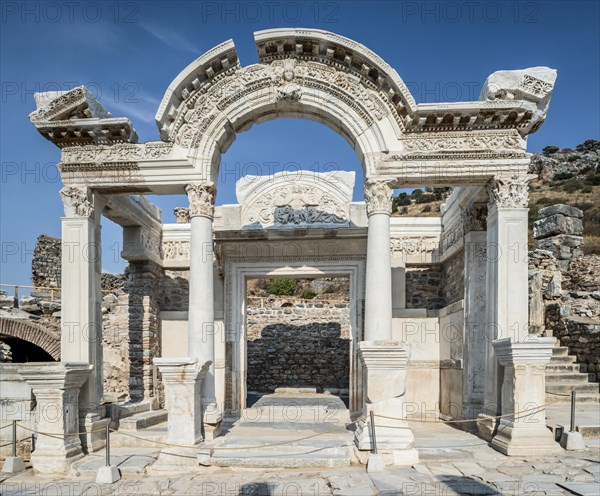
(561, 209)
(557, 224)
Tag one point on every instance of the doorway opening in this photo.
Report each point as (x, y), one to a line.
(299, 334)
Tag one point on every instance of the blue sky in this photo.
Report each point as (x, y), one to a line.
(128, 52)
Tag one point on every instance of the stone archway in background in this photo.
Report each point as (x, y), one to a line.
(32, 333)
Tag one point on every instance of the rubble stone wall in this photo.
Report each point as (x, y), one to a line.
(294, 342)
(46, 262)
(564, 286)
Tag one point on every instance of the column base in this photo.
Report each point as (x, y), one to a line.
(513, 441)
(175, 459)
(55, 462)
(391, 435)
(212, 419)
(486, 426)
(94, 427)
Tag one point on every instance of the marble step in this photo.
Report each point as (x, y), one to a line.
(565, 387)
(558, 377)
(581, 398)
(143, 420)
(560, 351)
(563, 367)
(151, 437)
(562, 359)
(284, 457)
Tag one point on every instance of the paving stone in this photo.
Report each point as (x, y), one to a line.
(582, 488)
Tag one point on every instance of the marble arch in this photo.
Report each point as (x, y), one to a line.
(479, 147)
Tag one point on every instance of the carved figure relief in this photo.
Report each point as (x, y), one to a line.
(76, 203)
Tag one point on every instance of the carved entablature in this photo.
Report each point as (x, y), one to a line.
(141, 243)
(378, 195)
(509, 192)
(474, 217)
(76, 201)
(76, 118)
(202, 199)
(291, 200)
(461, 145)
(415, 249)
(451, 240)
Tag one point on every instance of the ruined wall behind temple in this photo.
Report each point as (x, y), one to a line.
(437, 285)
(294, 342)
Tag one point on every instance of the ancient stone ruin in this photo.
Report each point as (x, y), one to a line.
(436, 317)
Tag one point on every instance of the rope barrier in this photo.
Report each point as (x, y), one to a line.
(291, 441)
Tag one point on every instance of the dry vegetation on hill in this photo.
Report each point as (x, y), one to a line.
(569, 176)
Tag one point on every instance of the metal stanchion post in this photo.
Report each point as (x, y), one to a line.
(14, 463)
(373, 438)
(375, 462)
(108, 474)
(573, 399)
(572, 440)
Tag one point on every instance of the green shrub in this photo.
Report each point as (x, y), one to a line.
(562, 176)
(593, 179)
(402, 200)
(550, 149)
(572, 185)
(282, 287)
(332, 288)
(308, 294)
(426, 208)
(425, 198)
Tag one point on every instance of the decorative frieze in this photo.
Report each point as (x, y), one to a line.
(509, 193)
(202, 199)
(176, 250)
(414, 245)
(121, 152)
(378, 195)
(76, 202)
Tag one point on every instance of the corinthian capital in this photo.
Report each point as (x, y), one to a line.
(509, 193)
(76, 202)
(378, 195)
(202, 199)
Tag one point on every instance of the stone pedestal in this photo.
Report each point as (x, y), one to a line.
(523, 388)
(56, 388)
(384, 380)
(183, 378)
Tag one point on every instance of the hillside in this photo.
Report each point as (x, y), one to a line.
(569, 176)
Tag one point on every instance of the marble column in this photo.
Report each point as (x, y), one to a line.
(378, 285)
(383, 361)
(524, 390)
(201, 316)
(81, 298)
(56, 389)
(507, 314)
(199, 417)
(475, 259)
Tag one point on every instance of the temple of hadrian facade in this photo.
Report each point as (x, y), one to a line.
(470, 356)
